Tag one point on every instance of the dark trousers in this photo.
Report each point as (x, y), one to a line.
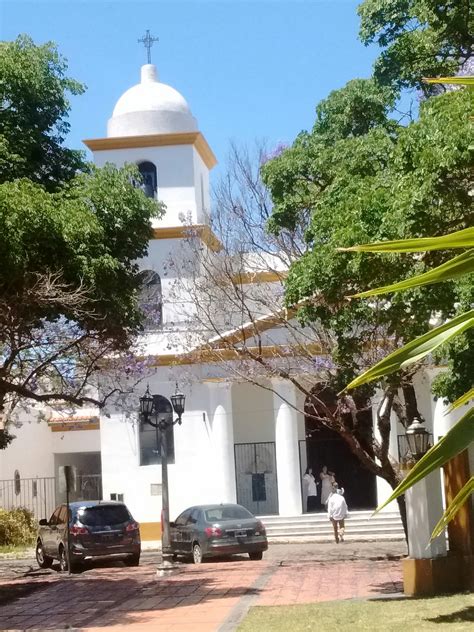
(312, 503)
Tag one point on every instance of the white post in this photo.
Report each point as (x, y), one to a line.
(287, 450)
(223, 439)
(424, 504)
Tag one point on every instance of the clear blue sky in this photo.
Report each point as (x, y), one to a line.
(247, 69)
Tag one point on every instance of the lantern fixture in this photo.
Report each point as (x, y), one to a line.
(418, 439)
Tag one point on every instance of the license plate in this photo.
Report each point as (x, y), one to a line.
(241, 534)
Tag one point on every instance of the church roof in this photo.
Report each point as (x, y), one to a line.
(150, 107)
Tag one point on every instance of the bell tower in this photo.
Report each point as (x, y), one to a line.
(153, 127)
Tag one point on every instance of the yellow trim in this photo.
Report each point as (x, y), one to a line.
(203, 356)
(156, 140)
(150, 531)
(202, 231)
(71, 426)
(435, 576)
(262, 276)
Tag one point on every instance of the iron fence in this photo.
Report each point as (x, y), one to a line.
(36, 494)
(42, 495)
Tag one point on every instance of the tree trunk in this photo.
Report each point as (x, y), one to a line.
(402, 507)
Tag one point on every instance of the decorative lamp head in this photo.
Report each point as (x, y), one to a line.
(146, 403)
(178, 400)
(418, 439)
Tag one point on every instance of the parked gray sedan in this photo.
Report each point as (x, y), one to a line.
(212, 530)
(96, 529)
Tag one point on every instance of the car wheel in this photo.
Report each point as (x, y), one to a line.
(197, 553)
(132, 560)
(256, 555)
(43, 560)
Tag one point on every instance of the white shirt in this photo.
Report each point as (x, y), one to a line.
(337, 507)
(310, 484)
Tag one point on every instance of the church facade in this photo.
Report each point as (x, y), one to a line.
(238, 442)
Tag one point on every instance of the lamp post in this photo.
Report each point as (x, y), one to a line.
(156, 411)
(418, 439)
(425, 567)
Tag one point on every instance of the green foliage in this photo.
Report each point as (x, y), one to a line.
(419, 38)
(91, 232)
(70, 238)
(454, 442)
(386, 182)
(17, 527)
(34, 107)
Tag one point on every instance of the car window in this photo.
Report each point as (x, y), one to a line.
(54, 518)
(230, 512)
(62, 515)
(182, 518)
(103, 515)
(194, 517)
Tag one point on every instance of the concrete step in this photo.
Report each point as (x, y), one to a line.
(360, 525)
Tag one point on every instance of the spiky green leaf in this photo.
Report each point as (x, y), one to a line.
(454, 441)
(459, 239)
(452, 269)
(464, 399)
(460, 81)
(415, 349)
(454, 506)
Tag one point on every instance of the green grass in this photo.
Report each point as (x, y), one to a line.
(14, 551)
(454, 612)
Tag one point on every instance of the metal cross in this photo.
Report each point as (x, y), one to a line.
(147, 41)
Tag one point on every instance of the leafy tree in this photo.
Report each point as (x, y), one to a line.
(34, 109)
(359, 176)
(70, 238)
(461, 266)
(419, 38)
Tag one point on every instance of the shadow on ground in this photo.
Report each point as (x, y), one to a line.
(465, 614)
(126, 596)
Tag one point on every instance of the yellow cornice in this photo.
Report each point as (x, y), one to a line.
(202, 231)
(156, 140)
(224, 354)
(262, 276)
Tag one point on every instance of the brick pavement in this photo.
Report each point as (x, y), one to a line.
(206, 598)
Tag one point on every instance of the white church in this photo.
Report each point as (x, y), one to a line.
(238, 442)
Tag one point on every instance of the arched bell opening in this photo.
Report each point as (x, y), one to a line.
(149, 183)
(325, 446)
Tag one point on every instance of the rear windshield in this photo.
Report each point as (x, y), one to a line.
(227, 513)
(101, 516)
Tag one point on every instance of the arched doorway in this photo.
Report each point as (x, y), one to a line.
(326, 447)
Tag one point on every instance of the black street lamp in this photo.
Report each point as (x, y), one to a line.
(418, 439)
(156, 411)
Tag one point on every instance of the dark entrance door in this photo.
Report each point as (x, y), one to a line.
(325, 446)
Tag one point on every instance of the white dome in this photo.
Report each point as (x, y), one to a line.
(151, 107)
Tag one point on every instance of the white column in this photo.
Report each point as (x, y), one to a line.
(287, 450)
(223, 440)
(424, 508)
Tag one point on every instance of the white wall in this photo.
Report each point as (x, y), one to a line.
(30, 452)
(253, 412)
(190, 477)
(177, 167)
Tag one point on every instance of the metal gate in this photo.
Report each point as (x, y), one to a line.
(36, 494)
(255, 471)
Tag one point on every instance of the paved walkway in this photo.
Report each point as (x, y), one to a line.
(210, 597)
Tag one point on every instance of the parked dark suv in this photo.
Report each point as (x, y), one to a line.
(96, 528)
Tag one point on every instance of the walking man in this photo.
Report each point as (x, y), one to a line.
(337, 513)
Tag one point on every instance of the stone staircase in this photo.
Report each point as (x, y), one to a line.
(316, 527)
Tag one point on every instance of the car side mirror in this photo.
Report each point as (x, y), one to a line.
(43, 522)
